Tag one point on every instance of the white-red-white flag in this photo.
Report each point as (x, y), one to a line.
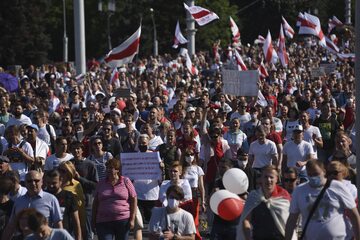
(263, 73)
(234, 31)
(288, 30)
(239, 61)
(310, 24)
(300, 18)
(334, 22)
(179, 38)
(269, 51)
(259, 40)
(114, 78)
(125, 52)
(331, 46)
(284, 57)
(261, 100)
(191, 68)
(201, 15)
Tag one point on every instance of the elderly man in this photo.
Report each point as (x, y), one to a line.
(35, 197)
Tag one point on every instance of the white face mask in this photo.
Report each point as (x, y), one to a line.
(189, 159)
(242, 164)
(173, 203)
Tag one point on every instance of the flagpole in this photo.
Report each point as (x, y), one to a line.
(156, 51)
(190, 29)
(357, 82)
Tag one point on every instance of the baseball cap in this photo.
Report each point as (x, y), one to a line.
(4, 159)
(299, 128)
(34, 126)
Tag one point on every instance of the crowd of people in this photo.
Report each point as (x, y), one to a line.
(62, 138)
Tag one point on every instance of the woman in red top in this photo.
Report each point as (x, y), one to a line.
(188, 137)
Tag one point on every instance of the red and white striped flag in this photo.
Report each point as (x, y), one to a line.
(310, 24)
(125, 52)
(289, 31)
(269, 51)
(259, 40)
(331, 46)
(201, 15)
(191, 68)
(334, 22)
(262, 71)
(239, 62)
(114, 78)
(179, 38)
(235, 31)
(284, 57)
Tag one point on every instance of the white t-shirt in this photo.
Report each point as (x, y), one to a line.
(297, 152)
(22, 167)
(262, 153)
(22, 120)
(308, 137)
(180, 222)
(53, 162)
(44, 135)
(327, 221)
(278, 124)
(243, 118)
(154, 143)
(147, 189)
(183, 183)
(42, 149)
(192, 174)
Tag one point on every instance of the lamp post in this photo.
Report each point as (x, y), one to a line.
(79, 29)
(156, 52)
(65, 39)
(190, 29)
(111, 8)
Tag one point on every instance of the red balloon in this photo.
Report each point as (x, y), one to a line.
(230, 208)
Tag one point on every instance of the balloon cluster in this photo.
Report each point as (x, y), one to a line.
(226, 203)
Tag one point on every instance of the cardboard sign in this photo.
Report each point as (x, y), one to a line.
(141, 165)
(122, 92)
(317, 72)
(328, 67)
(241, 83)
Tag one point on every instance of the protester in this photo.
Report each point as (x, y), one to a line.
(266, 209)
(114, 205)
(337, 198)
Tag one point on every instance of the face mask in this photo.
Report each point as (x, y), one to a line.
(315, 182)
(242, 164)
(143, 148)
(173, 203)
(189, 159)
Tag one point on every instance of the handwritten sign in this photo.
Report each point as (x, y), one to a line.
(328, 67)
(141, 165)
(317, 72)
(240, 83)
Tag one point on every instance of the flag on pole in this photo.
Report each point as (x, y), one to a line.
(239, 62)
(310, 24)
(201, 15)
(259, 40)
(269, 51)
(334, 22)
(331, 46)
(262, 71)
(235, 31)
(284, 57)
(125, 52)
(191, 68)
(289, 31)
(179, 38)
(261, 100)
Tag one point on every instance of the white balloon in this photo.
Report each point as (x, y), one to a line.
(236, 181)
(218, 196)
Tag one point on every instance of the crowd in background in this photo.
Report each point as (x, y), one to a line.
(62, 136)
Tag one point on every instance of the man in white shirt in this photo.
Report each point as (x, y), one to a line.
(297, 152)
(312, 134)
(61, 155)
(18, 117)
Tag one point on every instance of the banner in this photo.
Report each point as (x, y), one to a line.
(241, 83)
(141, 165)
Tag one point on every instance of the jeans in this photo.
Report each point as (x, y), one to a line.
(115, 229)
(89, 234)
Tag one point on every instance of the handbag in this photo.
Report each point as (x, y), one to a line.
(139, 224)
(316, 204)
